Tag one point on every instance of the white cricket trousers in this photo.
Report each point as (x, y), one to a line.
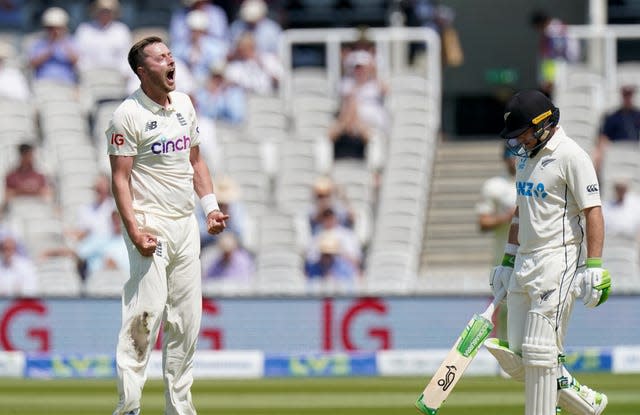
(164, 288)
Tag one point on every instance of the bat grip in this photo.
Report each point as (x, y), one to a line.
(488, 313)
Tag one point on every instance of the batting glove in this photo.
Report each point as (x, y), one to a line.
(501, 275)
(596, 282)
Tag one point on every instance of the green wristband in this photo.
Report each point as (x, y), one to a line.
(508, 260)
(594, 262)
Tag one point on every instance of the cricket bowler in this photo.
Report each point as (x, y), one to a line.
(156, 167)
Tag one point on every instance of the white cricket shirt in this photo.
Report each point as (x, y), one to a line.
(552, 190)
(498, 196)
(160, 140)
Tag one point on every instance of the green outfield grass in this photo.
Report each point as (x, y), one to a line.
(311, 396)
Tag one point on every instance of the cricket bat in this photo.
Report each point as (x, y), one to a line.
(457, 360)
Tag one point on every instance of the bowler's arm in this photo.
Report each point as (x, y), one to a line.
(121, 187)
(202, 183)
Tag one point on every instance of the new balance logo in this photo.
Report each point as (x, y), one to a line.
(151, 125)
(546, 162)
(592, 188)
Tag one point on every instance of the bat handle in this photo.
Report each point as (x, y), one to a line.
(488, 313)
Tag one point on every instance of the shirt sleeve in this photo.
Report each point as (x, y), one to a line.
(582, 180)
(122, 136)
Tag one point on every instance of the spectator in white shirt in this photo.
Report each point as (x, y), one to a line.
(18, 276)
(256, 72)
(13, 81)
(94, 218)
(103, 42)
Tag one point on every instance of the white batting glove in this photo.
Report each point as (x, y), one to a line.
(501, 275)
(596, 283)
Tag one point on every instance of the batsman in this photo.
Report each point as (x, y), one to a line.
(552, 257)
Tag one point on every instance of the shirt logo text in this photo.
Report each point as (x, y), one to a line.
(165, 146)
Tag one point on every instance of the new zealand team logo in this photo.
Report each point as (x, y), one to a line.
(447, 380)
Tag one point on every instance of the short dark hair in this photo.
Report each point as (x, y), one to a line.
(538, 18)
(136, 53)
(24, 148)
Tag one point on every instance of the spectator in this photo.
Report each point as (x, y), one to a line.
(233, 264)
(331, 267)
(200, 51)
(104, 251)
(325, 197)
(13, 14)
(25, 180)
(349, 245)
(228, 195)
(257, 72)
(497, 204)
(621, 211)
(103, 42)
(361, 83)
(253, 19)
(218, 26)
(436, 16)
(553, 45)
(219, 100)
(348, 133)
(94, 218)
(494, 214)
(54, 55)
(14, 83)
(621, 125)
(18, 276)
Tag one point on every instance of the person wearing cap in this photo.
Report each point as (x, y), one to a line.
(255, 71)
(14, 83)
(349, 244)
(253, 18)
(220, 100)
(103, 41)
(553, 256)
(368, 91)
(54, 56)
(622, 125)
(200, 51)
(330, 267)
(229, 201)
(232, 264)
(217, 26)
(324, 196)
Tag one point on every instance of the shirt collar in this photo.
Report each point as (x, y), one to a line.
(151, 104)
(555, 140)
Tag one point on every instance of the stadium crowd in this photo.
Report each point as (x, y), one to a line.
(63, 75)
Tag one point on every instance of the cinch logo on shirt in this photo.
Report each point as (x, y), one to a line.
(529, 189)
(169, 146)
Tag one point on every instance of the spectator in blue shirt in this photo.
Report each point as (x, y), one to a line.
(218, 26)
(253, 18)
(621, 125)
(331, 268)
(199, 50)
(233, 264)
(54, 56)
(220, 100)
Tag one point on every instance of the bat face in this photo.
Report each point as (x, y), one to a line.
(454, 365)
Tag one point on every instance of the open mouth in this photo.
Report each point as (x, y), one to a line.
(171, 75)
